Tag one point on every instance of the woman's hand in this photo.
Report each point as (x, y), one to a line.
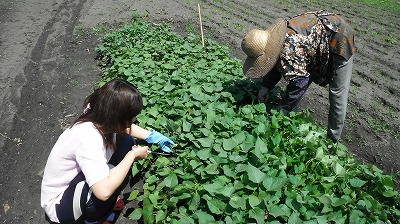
(106, 187)
(139, 152)
(152, 137)
(162, 141)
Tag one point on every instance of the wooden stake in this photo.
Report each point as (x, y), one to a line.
(201, 25)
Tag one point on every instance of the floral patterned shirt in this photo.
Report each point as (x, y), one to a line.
(305, 55)
(313, 39)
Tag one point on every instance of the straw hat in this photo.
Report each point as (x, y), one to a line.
(262, 48)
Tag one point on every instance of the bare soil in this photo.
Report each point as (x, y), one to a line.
(48, 67)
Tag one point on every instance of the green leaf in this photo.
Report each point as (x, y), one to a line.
(212, 169)
(261, 146)
(312, 137)
(186, 126)
(238, 216)
(241, 167)
(213, 187)
(206, 142)
(336, 217)
(274, 183)
(194, 202)
(356, 216)
(258, 214)
(195, 164)
(261, 128)
(236, 157)
(325, 199)
(239, 138)
(136, 214)
(133, 195)
(136, 60)
(366, 204)
(171, 180)
(162, 162)
(387, 181)
(390, 193)
(237, 202)
(227, 190)
(147, 213)
(209, 87)
(339, 201)
(154, 197)
(319, 153)
(294, 218)
(160, 216)
(184, 196)
(274, 122)
(204, 217)
(339, 170)
(229, 144)
(255, 175)
(304, 128)
(228, 171)
(276, 139)
(329, 179)
(165, 171)
(187, 220)
(203, 154)
(153, 111)
(135, 169)
(197, 120)
(199, 96)
(152, 179)
(168, 66)
(216, 206)
(357, 182)
(205, 131)
(275, 210)
(254, 201)
(248, 143)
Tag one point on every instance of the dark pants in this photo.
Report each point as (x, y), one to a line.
(79, 203)
(295, 89)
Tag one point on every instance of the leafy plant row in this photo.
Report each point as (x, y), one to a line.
(235, 161)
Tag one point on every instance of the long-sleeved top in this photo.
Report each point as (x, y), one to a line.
(311, 42)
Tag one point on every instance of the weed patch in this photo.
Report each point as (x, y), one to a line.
(236, 161)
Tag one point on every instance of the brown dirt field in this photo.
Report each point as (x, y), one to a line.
(47, 58)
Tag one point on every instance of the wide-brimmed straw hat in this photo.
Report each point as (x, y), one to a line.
(262, 48)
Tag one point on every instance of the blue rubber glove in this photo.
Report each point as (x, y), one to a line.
(159, 139)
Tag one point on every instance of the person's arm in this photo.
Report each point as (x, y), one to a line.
(151, 137)
(138, 132)
(267, 83)
(272, 78)
(106, 187)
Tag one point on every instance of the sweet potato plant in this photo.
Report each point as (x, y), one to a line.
(236, 161)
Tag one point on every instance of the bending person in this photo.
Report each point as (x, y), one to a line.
(311, 47)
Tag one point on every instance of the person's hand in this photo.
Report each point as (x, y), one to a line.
(263, 94)
(163, 142)
(139, 152)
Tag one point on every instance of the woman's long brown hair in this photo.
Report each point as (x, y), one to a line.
(111, 109)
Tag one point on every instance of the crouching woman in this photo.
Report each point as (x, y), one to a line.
(90, 162)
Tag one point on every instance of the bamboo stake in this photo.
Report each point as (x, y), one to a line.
(201, 25)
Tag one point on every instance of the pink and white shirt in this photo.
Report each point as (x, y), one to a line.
(79, 148)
